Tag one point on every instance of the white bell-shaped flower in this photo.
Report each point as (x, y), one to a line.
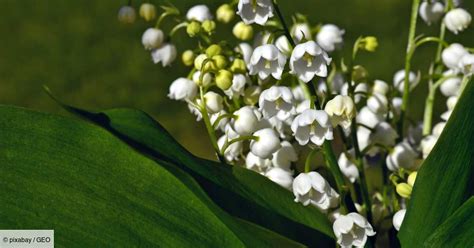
(283, 45)
(309, 60)
(330, 37)
(266, 144)
(348, 168)
(256, 163)
(312, 188)
(451, 86)
(452, 55)
(402, 156)
(222, 122)
(182, 89)
(302, 106)
(165, 54)
(301, 31)
(431, 12)
(245, 122)
(246, 50)
(399, 80)
(398, 219)
(363, 136)
(378, 103)
(396, 105)
(214, 102)
(352, 230)
(466, 64)
(456, 20)
(282, 177)
(341, 110)
(277, 100)
(255, 11)
(195, 111)
(313, 125)
(238, 86)
(384, 134)
(152, 38)
(380, 87)
(284, 156)
(427, 144)
(199, 13)
(204, 81)
(233, 151)
(267, 60)
(368, 118)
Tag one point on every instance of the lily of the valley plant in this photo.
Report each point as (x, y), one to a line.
(281, 103)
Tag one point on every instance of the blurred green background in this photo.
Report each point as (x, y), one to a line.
(88, 59)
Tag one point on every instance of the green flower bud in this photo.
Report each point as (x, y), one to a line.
(188, 58)
(148, 11)
(213, 50)
(404, 190)
(359, 74)
(412, 178)
(238, 66)
(369, 43)
(243, 31)
(225, 13)
(224, 79)
(193, 28)
(220, 61)
(199, 60)
(209, 26)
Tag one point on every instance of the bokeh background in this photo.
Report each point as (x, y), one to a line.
(89, 59)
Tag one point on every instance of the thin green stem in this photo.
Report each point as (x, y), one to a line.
(220, 118)
(410, 50)
(238, 139)
(309, 158)
(283, 23)
(178, 27)
(428, 113)
(207, 123)
(432, 39)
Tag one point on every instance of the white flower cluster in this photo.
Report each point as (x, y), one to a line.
(270, 104)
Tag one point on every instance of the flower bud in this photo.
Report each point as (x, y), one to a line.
(188, 58)
(213, 50)
(224, 79)
(359, 74)
(147, 11)
(369, 43)
(466, 64)
(380, 87)
(204, 81)
(404, 190)
(238, 66)
(209, 26)
(193, 28)
(301, 31)
(182, 89)
(242, 31)
(219, 61)
(225, 13)
(126, 14)
(266, 144)
(378, 103)
(452, 55)
(199, 13)
(431, 12)
(152, 38)
(213, 102)
(412, 178)
(330, 37)
(199, 61)
(165, 54)
(456, 20)
(282, 177)
(245, 121)
(341, 110)
(398, 219)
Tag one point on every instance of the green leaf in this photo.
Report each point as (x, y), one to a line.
(239, 191)
(457, 230)
(445, 179)
(94, 190)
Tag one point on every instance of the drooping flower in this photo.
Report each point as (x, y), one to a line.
(456, 20)
(152, 38)
(199, 13)
(238, 85)
(283, 45)
(245, 122)
(384, 134)
(452, 55)
(352, 230)
(255, 11)
(427, 144)
(165, 54)
(267, 60)
(147, 11)
(348, 168)
(312, 188)
(256, 163)
(214, 102)
(368, 118)
(402, 156)
(223, 121)
(341, 110)
(284, 156)
(431, 12)
(277, 100)
(378, 103)
(233, 151)
(399, 80)
(451, 86)
(330, 38)
(182, 89)
(313, 125)
(309, 60)
(466, 64)
(282, 177)
(301, 31)
(380, 87)
(266, 144)
(398, 219)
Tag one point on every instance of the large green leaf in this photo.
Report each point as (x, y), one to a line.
(94, 190)
(239, 191)
(457, 230)
(445, 179)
